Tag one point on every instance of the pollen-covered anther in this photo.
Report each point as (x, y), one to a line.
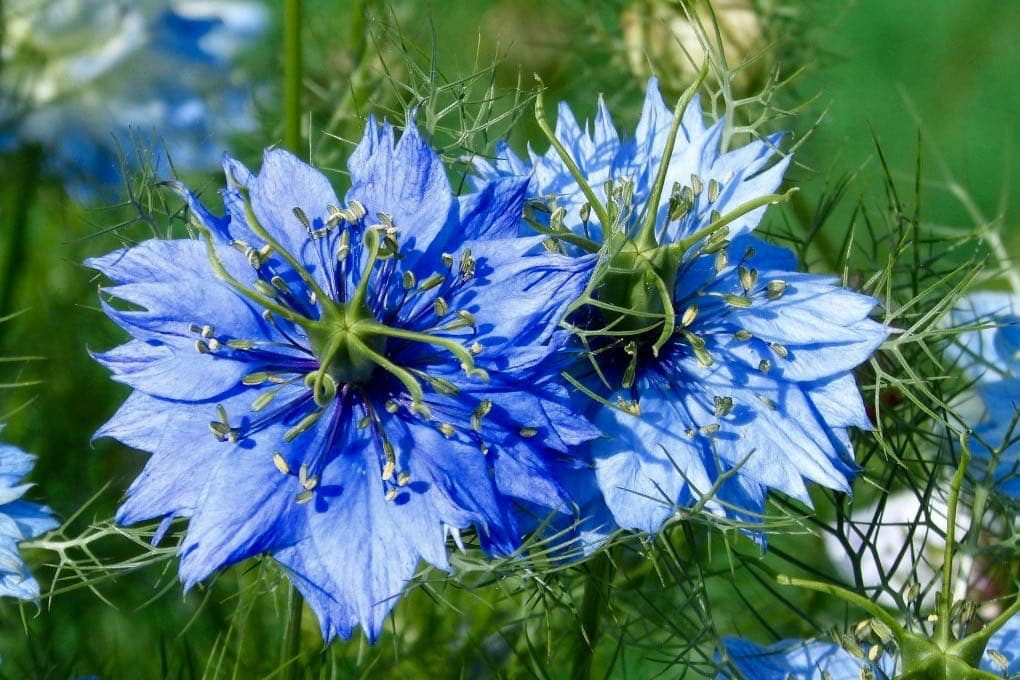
(388, 469)
(710, 429)
(202, 347)
(476, 348)
(409, 280)
(742, 335)
(441, 307)
(764, 365)
(447, 429)
(528, 432)
(403, 479)
(391, 493)
(304, 496)
(447, 260)
(281, 463)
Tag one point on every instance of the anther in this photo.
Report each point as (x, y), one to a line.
(391, 493)
(303, 219)
(780, 350)
(467, 264)
(723, 406)
(476, 348)
(255, 378)
(721, 260)
(214, 345)
(697, 185)
(431, 282)
(357, 210)
(447, 260)
(263, 400)
(703, 356)
(764, 365)
(240, 344)
(447, 429)
(364, 422)
(748, 278)
(344, 247)
(207, 331)
(742, 335)
(528, 432)
(482, 410)
(281, 463)
(403, 479)
(737, 301)
(585, 212)
(713, 190)
(392, 406)
(303, 426)
(440, 307)
(202, 347)
(304, 497)
(710, 429)
(776, 288)
(689, 315)
(409, 280)
(388, 469)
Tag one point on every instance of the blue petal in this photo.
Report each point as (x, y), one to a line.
(796, 659)
(407, 181)
(1006, 641)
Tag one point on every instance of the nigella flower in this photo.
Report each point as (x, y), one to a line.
(818, 660)
(989, 356)
(344, 386)
(20, 520)
(718, 370)
(82, 77)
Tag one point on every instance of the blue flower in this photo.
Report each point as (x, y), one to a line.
(374, 376)
(989, 356)
(810, 659)
(20, 520)
(84, 79)
(722, 372)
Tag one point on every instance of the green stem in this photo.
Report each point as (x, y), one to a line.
(593, 604)
(847, 596)
(291, 647)
(646, 239)
(30, 166)
(292, 74)
(945, 603)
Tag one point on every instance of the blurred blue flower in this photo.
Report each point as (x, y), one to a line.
(809, 660)
(377, 376)
(731, 374)
(88, 79)
(989, 356)
(20, 520)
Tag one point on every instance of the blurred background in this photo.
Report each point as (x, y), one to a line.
(102, 98)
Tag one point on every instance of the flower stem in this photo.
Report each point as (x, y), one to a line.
(292, 635)
(945, 603)
(30, 162)
(593, 604)
(292, 74)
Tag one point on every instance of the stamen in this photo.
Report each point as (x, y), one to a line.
(281, 463)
